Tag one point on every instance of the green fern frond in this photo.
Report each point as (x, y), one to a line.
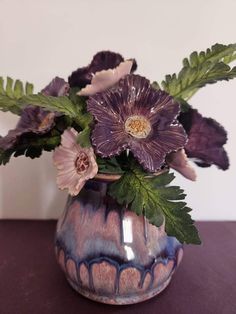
(201, 69)
(10, 92)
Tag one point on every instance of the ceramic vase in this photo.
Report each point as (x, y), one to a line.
(108, 253)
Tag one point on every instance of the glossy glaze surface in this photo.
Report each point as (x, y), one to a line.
(111, 255)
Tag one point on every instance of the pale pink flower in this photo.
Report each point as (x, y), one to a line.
(179, 161)
(104, 79)
(75, 164)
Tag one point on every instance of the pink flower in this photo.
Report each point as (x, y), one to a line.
(75, 164)
(104, 79)
(179, 161)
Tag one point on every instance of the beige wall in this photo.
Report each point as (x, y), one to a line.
(41, 39)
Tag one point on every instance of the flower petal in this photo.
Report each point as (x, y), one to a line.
(206, 138)
(106, 78)
(65, 159)
(103, 60)
(108, 140)
(57, 87)
(151, 152)
(179, 161)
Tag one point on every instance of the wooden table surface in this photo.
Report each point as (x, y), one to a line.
(31, 281)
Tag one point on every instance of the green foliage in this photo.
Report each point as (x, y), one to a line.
(61, 104)
(32, 146)
(79, 101)
(84, 137)
(200, 69)
(152, 197)
(109, 165)
(11, 93)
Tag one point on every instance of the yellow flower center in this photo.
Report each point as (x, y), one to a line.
(82, 162)
(137, 126)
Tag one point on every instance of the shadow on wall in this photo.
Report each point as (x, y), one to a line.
(28, 189)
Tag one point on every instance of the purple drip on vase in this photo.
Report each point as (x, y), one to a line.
(108, 253)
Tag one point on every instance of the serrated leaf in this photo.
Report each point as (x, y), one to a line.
(158, 200)
(201, 69)
(10, 95)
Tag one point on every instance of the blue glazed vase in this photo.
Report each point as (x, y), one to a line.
(108, 253)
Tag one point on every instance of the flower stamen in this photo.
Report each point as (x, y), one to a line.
(138, 126)
(82, 162)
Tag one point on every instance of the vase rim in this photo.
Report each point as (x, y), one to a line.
(110, 177)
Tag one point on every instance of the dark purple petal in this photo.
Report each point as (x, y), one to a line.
(109, 139)
(36, 120)
(151, 152)
(33, 120)
(8, 141)
(206, 139)
(134, 97)
(103, 60)
(57, 87)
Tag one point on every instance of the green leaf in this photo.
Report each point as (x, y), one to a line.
(79, 101)
(84, 137)
(109, 165)
(158, 201)
(61, 104)
(201, 69)
(11, 93)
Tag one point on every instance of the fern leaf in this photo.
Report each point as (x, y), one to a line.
(201, 69)
(11, 92)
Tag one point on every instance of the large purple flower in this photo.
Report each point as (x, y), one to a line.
(133, 115)
(206, 138)
(35, 120)
(103, 60)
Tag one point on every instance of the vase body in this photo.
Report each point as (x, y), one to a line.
(110, 254)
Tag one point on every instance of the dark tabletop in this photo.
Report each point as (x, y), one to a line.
(31, 281)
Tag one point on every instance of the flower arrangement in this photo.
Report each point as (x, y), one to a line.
(108, 120)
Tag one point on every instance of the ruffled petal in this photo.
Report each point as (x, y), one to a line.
(106, 78)
(151, 153)
(206, 138)
(65, 159)
(57, 87)
(103, 60)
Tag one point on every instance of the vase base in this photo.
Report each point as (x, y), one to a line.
(119, 300)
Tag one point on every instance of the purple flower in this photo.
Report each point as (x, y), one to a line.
(57, 87)
(206, 138)
(34, 119)
(103, 60)
(133, 115)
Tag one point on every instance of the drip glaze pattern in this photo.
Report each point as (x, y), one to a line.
(108, 253)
